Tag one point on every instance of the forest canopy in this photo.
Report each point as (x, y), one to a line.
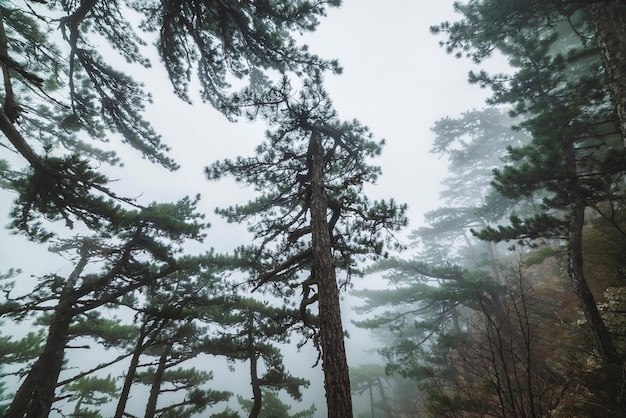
(507, 300)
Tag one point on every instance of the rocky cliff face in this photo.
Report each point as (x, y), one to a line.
(613, 310)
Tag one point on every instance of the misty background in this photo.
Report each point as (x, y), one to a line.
(396, 80)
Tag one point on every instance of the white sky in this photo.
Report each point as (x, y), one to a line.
(396, 80)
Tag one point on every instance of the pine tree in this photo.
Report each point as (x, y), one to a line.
(251, 330)
(572, 161)
(609, 23)
(474, 144)
(143, 254)
(177, 343)
(173, 320)
(273, 407)
(312, 215)
(62, 100)
(89, 391)
(366, 377)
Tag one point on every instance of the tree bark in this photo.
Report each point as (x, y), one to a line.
(609, 20)
(601, 337)
(257, 395)
(334, 362)
(155, 389)
(130, 373)
(383, 397)
(35, 396)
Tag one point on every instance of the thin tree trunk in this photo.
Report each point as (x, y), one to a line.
(334, 362)
(609, 20)
(383, 397)
(157, 381)
(130, 373)
(601, 336)
(257, 395)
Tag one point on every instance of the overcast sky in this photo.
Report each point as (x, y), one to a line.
(397, 80)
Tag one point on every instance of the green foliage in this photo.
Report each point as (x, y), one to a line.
(65, 99)
(70, 100)
(109, 333)
(251, 328)
(3, 398)
(278, 217)
(63, 190)
(558, 86)
(469, 337)
(190, 380)
(273, 407)
(22, 350)
(364, 375)
(474, 144)
(242, 41)
(227, 413)
(92, 391)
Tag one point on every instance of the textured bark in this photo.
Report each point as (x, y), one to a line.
(334, 362)
(130, 373)
(601, 337)
(35, 396)
(609, 20)
(155, 389)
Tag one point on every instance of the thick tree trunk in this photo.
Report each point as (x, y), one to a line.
(334, 362)
(609, 20)
(601, 337)
(35, 396)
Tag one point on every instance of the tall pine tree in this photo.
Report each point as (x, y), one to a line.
(311, 218)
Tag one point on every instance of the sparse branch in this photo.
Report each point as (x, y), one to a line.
(292, 263)
(93, 370)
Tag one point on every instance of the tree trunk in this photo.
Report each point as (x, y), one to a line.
(383, 397)
(257, 395)
(130, 373)
(609, 20)
(155, 389)
(334, 363)
(601, 337)
(35, 396)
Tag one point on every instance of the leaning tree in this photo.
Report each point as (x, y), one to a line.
(63, 100)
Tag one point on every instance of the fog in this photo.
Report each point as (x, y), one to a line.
(396, 80)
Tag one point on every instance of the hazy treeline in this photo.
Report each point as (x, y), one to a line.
(510, 308)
